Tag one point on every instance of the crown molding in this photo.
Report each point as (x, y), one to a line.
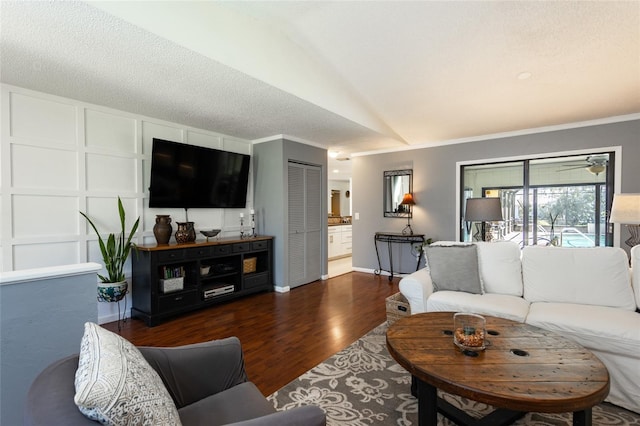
(502, 135)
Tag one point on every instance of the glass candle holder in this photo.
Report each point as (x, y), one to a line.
(469, 331)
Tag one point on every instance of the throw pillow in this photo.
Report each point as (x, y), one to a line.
(454, 268)
(115, 385)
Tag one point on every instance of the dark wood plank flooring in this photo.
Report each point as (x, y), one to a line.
(282, 335)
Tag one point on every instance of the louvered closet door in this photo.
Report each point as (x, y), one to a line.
(305, 221)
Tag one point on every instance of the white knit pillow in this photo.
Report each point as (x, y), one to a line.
(115, 385)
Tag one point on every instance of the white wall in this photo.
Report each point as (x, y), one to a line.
(60, 156)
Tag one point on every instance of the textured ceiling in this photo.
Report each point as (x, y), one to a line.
(350, 76)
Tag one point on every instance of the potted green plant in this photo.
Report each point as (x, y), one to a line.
(419, 248)
(115, 252)
(553, 240)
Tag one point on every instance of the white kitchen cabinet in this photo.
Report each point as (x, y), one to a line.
(345, 240)
(339, 241)
(333, 242)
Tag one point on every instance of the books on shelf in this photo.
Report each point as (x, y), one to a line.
(172, 272)
(173, 279)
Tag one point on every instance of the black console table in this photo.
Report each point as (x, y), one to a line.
(395, 238)
(172, 279)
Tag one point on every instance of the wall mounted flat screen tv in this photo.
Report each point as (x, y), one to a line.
(189, 176)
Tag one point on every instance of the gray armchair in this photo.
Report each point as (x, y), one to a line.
(207, 381)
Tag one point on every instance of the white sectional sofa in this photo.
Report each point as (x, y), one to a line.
(589, 295)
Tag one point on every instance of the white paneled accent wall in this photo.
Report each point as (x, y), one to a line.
(43, 121)
(60, 156)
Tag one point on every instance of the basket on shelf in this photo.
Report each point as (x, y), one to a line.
(397, 307)
(249, 265)
(169, 285)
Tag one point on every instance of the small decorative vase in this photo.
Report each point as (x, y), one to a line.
(185, 233)
(469, 331)
(162, 230)
(112, 292)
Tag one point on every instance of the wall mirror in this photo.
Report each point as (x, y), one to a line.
(396, 183)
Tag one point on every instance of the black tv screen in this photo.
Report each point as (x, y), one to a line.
(188, 176)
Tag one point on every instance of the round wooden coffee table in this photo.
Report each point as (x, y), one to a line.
(523, 368)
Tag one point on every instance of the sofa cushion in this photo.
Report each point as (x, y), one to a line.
(499, 305)
(589, 276)
(454, 268)
(300, 415)
(608, 329)
(500, 267)
(115, 385)
(241, 402)
(187, 371)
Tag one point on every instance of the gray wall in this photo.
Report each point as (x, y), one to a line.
(268, 196)
(41, 321)
(434, 180)
(270, 161)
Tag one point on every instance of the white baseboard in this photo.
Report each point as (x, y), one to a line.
(366, 270)
(111, 318)
(383, 273)
(282, 289)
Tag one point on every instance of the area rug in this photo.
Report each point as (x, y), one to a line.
(363, 385)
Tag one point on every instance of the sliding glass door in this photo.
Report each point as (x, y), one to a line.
(559, 201)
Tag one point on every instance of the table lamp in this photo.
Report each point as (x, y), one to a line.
(408, 201)
(482, 210)
(626, 210)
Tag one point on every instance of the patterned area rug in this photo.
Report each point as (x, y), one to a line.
(363, 385)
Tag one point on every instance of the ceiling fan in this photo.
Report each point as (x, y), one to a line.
(594, 164)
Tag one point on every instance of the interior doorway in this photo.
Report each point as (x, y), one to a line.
(340, 266)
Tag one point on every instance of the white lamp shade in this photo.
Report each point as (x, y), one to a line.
(483, 210)
(625, 209)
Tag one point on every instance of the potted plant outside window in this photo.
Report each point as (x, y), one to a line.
(115, 252)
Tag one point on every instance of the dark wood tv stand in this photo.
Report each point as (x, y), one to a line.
(237, 267)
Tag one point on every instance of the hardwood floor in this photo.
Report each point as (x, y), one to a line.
(282, 335)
